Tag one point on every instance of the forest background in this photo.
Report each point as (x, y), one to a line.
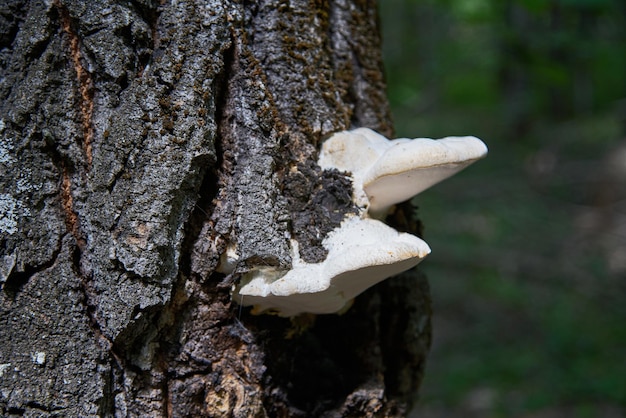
(528, 270)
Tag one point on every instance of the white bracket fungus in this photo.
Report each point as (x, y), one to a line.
(387, 172)
(362, 251)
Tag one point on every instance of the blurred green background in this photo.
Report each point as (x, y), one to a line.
(528, 270)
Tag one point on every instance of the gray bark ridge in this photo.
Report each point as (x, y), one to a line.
(137, 141)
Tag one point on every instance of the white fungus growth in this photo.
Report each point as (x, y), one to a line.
(386, 172)
(362, 251)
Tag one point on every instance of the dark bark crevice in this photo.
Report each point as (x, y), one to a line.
(12, 15)
(84, 80)
(406, 338)
(356, 44)
(143, 44)
(249, 133)
(207, 234)
(106, 405)
(16, 280)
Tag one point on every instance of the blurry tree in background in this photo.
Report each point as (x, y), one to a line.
(559, 58)
(541, 60)
(529, 246)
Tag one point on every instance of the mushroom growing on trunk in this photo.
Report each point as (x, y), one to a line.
(363, 250)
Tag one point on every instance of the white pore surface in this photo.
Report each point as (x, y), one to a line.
(361, 253)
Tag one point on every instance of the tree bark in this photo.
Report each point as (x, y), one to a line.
(139, 140)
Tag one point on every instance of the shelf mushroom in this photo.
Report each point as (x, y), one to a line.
(386, 172)
(362, 251)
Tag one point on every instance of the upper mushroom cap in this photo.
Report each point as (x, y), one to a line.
(410, 166)
(391, 171)
(361, 253)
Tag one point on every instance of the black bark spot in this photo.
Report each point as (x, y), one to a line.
(318, 202)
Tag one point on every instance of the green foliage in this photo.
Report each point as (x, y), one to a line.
(529, 310)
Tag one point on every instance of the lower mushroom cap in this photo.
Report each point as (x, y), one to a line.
(362, 252)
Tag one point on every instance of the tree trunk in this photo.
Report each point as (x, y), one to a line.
(141, 139)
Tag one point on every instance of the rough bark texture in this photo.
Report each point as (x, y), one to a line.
(139, 140)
